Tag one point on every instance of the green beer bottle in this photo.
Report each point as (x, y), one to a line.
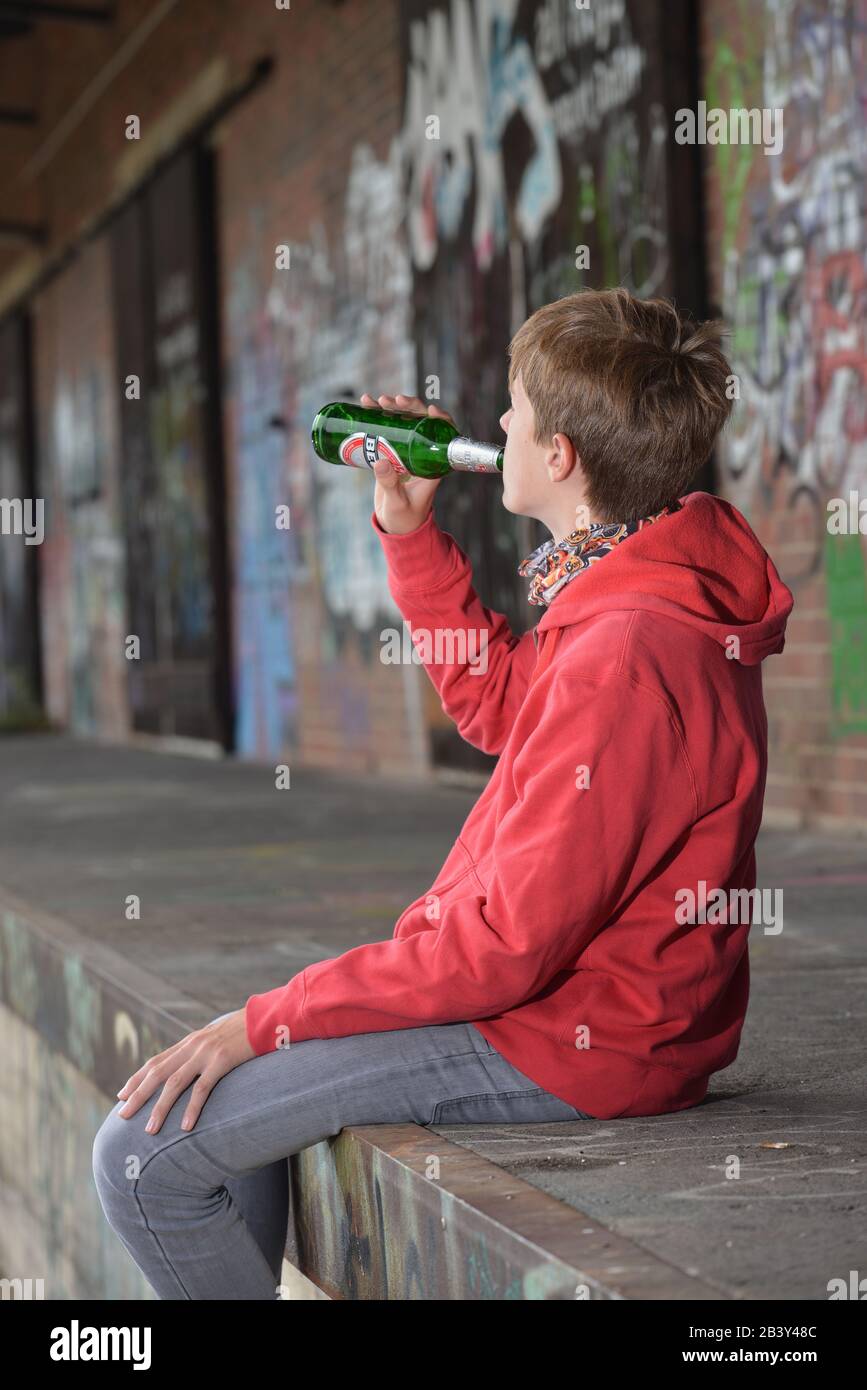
(423, 445)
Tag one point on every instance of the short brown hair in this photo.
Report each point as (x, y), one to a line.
(639, 389)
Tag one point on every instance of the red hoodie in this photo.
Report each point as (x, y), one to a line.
(554, 924)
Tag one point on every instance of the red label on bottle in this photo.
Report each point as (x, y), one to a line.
(362, 450)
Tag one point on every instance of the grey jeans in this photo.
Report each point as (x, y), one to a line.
(206, 1215)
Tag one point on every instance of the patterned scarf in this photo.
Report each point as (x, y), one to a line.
(553, 563)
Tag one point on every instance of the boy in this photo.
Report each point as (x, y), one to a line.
(555, 969)
(630, 726)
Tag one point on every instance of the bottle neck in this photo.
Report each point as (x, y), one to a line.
(470, 456)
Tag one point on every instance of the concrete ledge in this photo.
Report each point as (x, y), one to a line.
(399, 1212)
(756, 1193)
(380, 1212)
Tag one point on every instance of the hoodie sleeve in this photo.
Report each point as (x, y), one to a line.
(479, 667)
(564, 857)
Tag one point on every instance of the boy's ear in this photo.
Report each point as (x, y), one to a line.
(563, 458)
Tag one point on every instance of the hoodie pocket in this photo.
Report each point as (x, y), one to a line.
(456, 866)
(432, 903)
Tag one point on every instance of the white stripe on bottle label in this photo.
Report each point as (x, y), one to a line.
(361, 450)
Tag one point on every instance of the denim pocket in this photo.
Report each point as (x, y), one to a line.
(479, 1041)
(534, 1106)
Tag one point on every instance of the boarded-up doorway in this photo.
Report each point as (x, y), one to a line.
(165, 290)
(19, 633)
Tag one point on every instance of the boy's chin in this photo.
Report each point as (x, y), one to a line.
(515, 505)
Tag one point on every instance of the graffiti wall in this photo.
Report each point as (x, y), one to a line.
(514, 154)
(491, 156)
(67, 1032)
(82, 557)
(317, 307)
(53, 1227)
(788, 250)
(536, 161)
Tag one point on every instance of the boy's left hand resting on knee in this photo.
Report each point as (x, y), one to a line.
(208, 1054)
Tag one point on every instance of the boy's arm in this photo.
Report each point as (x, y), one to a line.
(481, 670)
(563, 860)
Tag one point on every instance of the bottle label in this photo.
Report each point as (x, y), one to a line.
(468, 456)
(361, 450)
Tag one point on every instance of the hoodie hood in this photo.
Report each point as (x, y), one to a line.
(703, 566)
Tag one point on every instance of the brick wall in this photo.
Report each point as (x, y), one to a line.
(306, 164)
(412, 261)
(787, 251)
(411, 258)
(406, 256)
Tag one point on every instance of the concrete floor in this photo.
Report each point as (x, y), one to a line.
(242, 886)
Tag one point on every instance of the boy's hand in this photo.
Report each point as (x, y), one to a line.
(206, 1054)
(402, 502)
